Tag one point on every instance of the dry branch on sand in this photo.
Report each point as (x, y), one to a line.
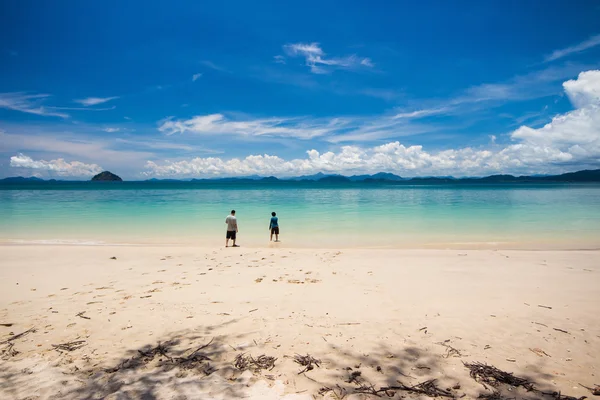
(69, 346)
(488, 374)
(81, 315)
(450, 351)
(19, 335)
(194, 360)
(495, 377)
(595, 391)
(428, 388)
(307, 361)
(495, 395)
(9, 351)
(338, 392)
(244, 362)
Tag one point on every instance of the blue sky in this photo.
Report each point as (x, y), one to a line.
(183, 89)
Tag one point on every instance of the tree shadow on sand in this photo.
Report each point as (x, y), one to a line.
(411, 372)
(199, 363)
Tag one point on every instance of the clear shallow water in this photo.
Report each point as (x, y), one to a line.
(311, 215)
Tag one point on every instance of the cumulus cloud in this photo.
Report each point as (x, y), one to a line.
(585, 90)
(573, 136)
(92, 101)
(391, 157)
(569, 139)
(319, 63)
(58, 166)
(28, 103)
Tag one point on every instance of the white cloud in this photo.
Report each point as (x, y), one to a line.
(57, 143)
(197, 76)
(573, 136)
(92, 101)
(82, 108)
(212, 65)
(111, 130)
(58, 166)
(534, 85)
(422, 113)
(569, 139)
(367, 62)
(28, 103)
(279, 59)
(162, 145)
(586, 44)
(585, 90)
(334, 130)
(218, 124)
(316, 59)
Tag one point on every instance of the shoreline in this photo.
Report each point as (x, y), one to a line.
(253, 243)
(531, 313)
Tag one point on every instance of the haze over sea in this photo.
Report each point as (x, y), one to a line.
(311, 214)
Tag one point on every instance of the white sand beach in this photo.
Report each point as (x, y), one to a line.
(374, 319)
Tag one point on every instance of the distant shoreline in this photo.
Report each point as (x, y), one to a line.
(256, 242)
(584, 176)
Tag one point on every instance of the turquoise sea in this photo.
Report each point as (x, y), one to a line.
(311, 214)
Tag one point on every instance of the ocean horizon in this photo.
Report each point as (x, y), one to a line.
(312, 214)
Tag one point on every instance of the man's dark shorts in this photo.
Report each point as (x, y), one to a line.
(275, 231)
(231, 234)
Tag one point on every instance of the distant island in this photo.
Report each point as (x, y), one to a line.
(585, 176)
(106, 176)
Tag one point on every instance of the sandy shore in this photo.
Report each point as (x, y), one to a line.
(390, 315)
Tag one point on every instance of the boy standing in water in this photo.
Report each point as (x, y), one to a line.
(274, 227)
(232, 229)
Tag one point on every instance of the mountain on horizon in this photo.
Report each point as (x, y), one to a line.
(22, 179)
(381, 177)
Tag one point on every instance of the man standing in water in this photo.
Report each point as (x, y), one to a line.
(232, 229)
(274, 227)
